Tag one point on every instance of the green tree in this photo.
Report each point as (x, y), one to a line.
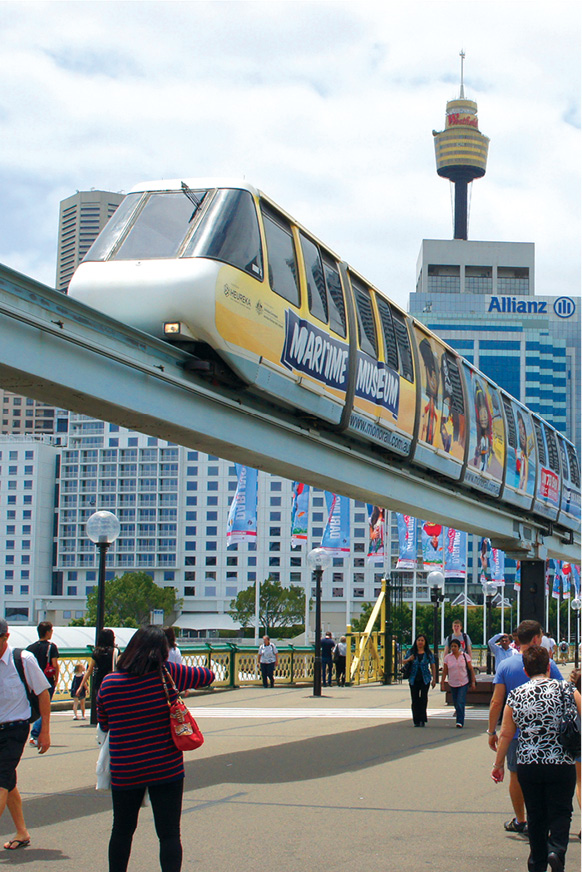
(129, 599)
(278, 606)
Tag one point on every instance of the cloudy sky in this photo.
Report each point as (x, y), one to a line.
(326, 106)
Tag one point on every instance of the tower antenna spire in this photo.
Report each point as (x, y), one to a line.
(462, 56)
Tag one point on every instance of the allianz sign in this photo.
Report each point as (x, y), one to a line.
(564, 307)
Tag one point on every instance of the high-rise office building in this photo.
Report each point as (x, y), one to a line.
(81, 218)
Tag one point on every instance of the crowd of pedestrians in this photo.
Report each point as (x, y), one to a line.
(529, 698)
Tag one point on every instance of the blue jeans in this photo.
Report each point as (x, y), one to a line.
(35, 732)
(459, 695)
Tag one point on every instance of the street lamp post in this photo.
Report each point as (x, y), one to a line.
(102, 528)
(436, 582)
(489, 590)
(318, 559)
(576, 605)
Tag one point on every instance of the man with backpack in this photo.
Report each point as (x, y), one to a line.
(22, 686)
(462, 638)
(47, 655)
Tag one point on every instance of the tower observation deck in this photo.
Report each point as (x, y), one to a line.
(461, 152)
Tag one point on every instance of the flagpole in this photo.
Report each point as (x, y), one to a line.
(444, 587)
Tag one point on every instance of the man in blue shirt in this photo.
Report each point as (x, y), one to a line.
(500, 647)
(509, 675)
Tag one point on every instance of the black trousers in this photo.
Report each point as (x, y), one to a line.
(166, 799)
(547, 790)
(268, 674)
(419, 700)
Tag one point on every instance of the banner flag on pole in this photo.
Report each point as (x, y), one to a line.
(455, 553)
(517, 582)
(299, 513)
(242, 517)
(376, 550)
(407, 526)
(575, 569)
(557, 578)
(432, 545)
(498, 566)
(484, 557)
(336, 536)
(566, 577)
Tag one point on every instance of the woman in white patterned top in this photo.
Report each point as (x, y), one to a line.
(546, 773)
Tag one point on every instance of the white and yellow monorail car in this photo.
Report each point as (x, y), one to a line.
(219, 267)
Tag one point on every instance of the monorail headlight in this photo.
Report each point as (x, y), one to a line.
(172, 328)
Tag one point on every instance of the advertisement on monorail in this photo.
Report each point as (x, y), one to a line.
(521, 455)
(442, 409)
(486, 435)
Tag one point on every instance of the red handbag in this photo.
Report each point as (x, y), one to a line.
(186, 733)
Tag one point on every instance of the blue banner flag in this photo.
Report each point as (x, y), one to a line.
(242, 517)
(299, 513)
(336, 536)
(407, 526)
(455, 553)
(566, 577)
(498, 566)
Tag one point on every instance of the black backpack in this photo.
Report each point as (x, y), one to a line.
(32, 697)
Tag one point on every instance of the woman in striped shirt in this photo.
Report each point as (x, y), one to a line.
(133, 707)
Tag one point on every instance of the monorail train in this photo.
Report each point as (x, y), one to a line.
(220, 268)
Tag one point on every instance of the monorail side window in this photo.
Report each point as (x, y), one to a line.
(574, 468)
(337, 308)
(403, 341)
(510, 420)
(113, 229)
(390, 347)
(366, 328)
(540, 442)
(281, 257)
(316, 291)
(553, 456)
(160, 227)
(229, 232)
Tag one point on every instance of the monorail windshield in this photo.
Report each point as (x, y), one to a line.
(162, 224)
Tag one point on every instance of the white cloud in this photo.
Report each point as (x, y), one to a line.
(326, 106)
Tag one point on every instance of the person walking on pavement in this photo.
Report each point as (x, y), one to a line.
(47, 655)
(15, 715)
(462, 638)
(458, 668)
(327, 646)
(422, 676)
(508, 676)
(267, 659)
(133, 708)
(340, 653)
(546, 771)
(102, 662)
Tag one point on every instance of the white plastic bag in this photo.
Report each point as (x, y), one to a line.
(103, 767)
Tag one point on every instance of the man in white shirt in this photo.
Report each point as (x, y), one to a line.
(549, 643)
(15, 715)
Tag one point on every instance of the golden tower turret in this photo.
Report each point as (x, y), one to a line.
(461, 152)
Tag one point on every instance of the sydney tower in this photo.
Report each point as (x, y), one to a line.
(461, 152)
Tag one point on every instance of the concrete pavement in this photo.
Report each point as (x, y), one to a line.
(289, 782)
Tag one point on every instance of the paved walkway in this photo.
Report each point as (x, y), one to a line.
(287, 782)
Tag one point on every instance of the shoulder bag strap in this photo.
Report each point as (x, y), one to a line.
(167, 679)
